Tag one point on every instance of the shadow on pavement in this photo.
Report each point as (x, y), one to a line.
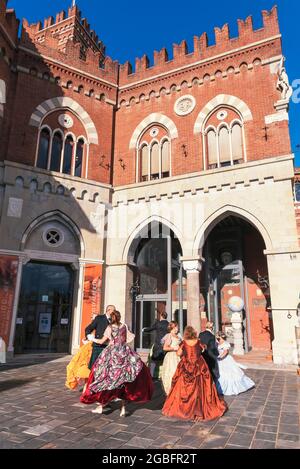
(23, 361)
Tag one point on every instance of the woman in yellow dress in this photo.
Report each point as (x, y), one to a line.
(78, 371)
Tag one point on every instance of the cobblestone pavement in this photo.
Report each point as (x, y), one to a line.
(36, 411)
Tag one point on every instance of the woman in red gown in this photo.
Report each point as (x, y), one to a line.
(193, 395)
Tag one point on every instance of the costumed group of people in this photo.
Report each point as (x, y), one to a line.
(196, 371)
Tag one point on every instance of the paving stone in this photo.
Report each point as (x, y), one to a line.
(248, 421)
(289, 437)
(267, 428)
(222, 430)
(265, 436)
(241, 439)
(281, 444)
(110, 443)
(262, 444)
(292, 429)
(218, 443)
(245, 430)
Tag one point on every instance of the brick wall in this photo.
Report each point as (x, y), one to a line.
(47, 60)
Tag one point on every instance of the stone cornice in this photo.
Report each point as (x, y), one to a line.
(251, 174)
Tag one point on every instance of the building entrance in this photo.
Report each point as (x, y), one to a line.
(45, 309)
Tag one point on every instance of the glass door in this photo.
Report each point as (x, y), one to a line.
(147, 311)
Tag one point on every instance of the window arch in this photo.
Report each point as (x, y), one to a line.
(62, 154)
(154, 154)
(224, 138)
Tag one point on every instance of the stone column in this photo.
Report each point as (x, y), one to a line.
(193, 268)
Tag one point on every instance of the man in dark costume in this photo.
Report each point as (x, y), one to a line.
(211, 353)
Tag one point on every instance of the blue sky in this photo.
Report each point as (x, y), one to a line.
(132, 28)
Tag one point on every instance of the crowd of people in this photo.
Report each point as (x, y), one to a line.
(196, 371)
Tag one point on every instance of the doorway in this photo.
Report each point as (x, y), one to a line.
(235, 266)
(45, 309)
(157, 277)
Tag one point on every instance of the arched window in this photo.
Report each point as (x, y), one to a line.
(144, 163)
(79, 158)
(57, 144)
(212, 149)
(154, 155)
(59, 153)
(165, 159)
(68, 155)
(224, 140)
(154, 161)
(237, 142)
(43, 152)
(224, 146)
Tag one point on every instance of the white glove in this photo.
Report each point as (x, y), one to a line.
(91, 338)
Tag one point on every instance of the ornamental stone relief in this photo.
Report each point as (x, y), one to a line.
(185, 105)
(66, 121)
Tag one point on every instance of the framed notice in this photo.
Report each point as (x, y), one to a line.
(45, 323)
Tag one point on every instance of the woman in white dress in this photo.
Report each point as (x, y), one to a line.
(171, 343)
(233, 380)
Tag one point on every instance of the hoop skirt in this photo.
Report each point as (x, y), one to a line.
(118, 373)
(170, 364)
(233, 380)
(193, 395)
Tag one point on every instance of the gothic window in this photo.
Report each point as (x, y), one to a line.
(57, 145)
(43, 152)
(224, 139)
(68, 155)
(61, 154)
(79, 158)
(154, 155)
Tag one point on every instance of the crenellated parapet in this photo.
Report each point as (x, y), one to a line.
(63, 27)
(202, 50)
(69, 39)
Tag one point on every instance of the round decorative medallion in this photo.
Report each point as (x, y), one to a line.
(53, 237)
(154, 132)
(222, 115)
(185, 105)
(66, 121)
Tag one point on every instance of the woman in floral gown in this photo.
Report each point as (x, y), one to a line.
(119, 373)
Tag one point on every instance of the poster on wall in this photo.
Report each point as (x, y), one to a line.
(45, 321)
(92, 290)
(8, 280)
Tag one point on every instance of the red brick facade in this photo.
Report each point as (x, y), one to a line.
(63, 58)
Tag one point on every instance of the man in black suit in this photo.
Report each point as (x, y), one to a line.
(99, 325)
(211, 353)
(161, 329)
